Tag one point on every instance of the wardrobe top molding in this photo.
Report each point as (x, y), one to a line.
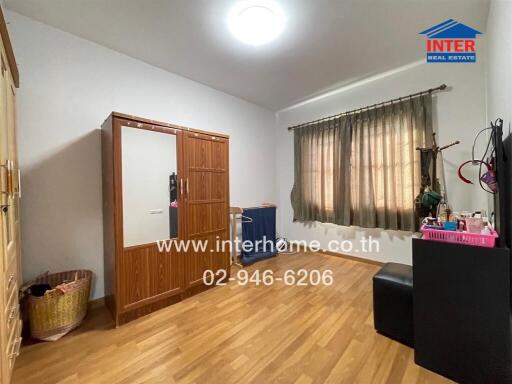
(160, 124)
(8, 50)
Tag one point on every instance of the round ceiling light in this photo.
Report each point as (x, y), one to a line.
(256, 22)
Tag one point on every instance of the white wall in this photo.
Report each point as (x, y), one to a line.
(459, 113)
(68, 87)
(148, 159)
(499, 63)
(499, 76)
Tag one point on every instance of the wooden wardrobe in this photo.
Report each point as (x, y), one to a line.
(10, 194)
(161, 181)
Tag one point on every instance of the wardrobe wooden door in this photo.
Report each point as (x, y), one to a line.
(9, 180)
(149, 163)
(207, 202)
(13, 216)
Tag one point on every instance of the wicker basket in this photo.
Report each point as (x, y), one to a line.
(58, 312)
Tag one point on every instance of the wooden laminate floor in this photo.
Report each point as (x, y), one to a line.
(238, 334)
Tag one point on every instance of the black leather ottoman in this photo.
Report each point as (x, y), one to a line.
(392, 302)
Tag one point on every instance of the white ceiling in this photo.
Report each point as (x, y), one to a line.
(326, 43)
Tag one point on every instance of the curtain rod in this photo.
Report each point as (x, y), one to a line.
(440, 88)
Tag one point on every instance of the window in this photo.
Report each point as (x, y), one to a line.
(362, 169)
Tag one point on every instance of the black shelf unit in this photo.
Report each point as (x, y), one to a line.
(462, 316)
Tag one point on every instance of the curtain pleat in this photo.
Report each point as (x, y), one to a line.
(363, 169)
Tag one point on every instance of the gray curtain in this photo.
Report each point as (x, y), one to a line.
(363, 169)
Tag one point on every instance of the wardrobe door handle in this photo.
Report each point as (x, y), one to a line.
(6, 167)
(188, 187)
(15, 352)
(10, 169)
(19, 183)
(13, 313)
(181, 186)
(12, 279)
(8, 182)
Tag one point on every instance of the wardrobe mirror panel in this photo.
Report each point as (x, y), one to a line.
(150, 186)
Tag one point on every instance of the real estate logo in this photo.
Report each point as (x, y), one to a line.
(451, 42)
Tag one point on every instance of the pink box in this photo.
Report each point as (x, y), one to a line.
(477, 239)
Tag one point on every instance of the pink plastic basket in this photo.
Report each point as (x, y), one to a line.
(466, 238)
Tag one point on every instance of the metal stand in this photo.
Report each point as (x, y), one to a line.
(234, 212)
(435, 149)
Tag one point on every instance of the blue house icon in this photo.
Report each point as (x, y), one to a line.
(450, 29)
